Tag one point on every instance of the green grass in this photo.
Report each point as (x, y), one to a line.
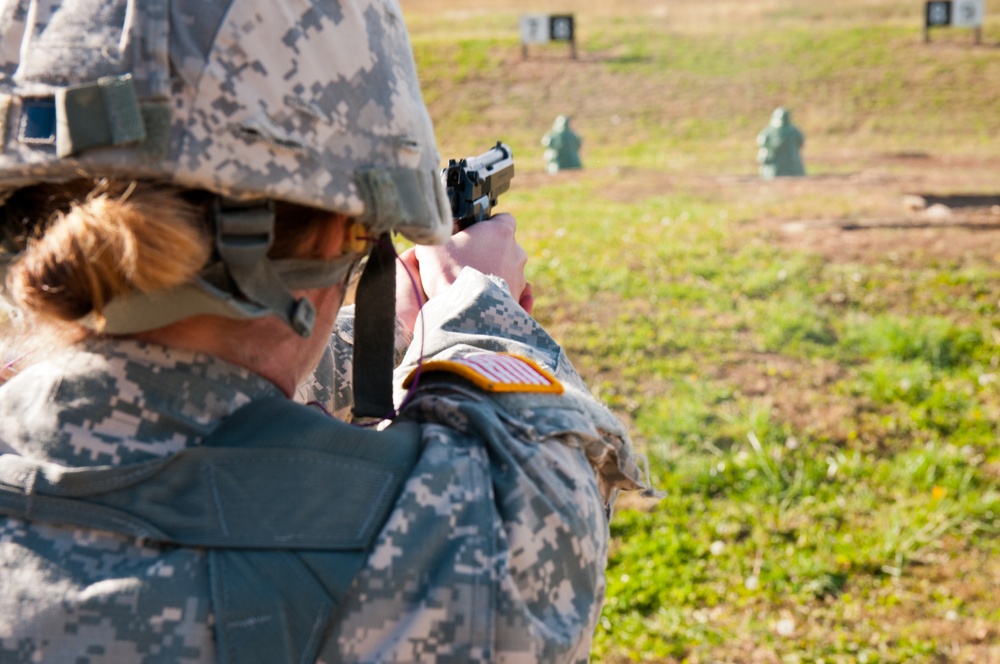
(823, 421)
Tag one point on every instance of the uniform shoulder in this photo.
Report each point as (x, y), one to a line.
(493, 372)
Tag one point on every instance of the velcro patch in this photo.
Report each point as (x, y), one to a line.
(496, 372)
(38, 121)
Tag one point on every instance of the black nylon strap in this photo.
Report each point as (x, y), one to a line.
(375, 333)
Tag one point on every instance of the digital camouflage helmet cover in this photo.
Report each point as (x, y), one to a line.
(310, 102)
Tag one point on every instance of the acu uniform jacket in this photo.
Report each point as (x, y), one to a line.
(489, 546)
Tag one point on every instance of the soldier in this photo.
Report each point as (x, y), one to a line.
(186, 188)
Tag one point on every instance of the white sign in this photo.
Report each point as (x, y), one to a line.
(535, 29)
(967, 13)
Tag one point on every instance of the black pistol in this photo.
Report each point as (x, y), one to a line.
(475, 183)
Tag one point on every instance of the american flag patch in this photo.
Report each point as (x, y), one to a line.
(496, 372)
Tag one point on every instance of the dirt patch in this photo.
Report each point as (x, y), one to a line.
(906, 245)
(908, 207)
(939, 600)
(798, 391)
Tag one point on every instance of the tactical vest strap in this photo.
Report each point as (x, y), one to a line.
(287, 500)
(274, 475)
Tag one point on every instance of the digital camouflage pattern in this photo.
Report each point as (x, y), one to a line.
(478, 313)
(495, 550)
(330, 387)
(496, 547)
(308, 101)
(71, 593)
(541, 470)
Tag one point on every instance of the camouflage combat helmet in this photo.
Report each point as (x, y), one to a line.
(314, 102)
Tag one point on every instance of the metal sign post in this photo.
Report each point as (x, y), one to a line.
(957, 13)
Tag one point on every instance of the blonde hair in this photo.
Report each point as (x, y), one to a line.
(119, 237)
(88, 241)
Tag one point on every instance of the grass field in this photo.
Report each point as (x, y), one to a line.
(811, 365)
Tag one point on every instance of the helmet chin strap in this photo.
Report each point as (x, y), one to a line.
(245, 284)
(375, 333)
(244, 233)
(140, 312)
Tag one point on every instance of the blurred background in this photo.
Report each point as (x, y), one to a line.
(811, 364)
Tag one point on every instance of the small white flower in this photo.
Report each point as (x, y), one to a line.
(785, 627)
(717, 548)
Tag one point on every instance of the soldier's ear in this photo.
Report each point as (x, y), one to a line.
(341, 235)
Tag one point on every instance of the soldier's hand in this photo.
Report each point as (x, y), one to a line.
(488, 246)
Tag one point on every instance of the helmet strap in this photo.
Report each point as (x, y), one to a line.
(244, 232)
(242, 283)
(375, 332)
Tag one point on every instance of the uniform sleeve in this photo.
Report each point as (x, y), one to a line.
(478, 314)
(497, 546)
